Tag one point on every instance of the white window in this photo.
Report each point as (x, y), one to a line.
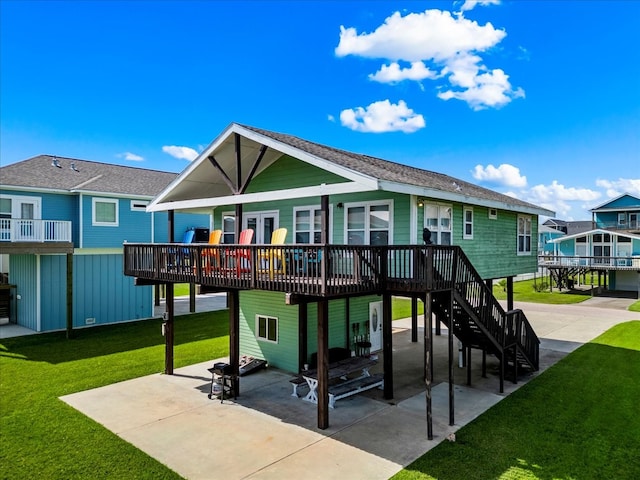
(105, 212)
(139, 205)
(581, 247)
(437, 218)
(307, 225)
(228, 228)
(368, 224)
(524, 235)
(267, 328)
(467, 234)
(493, 213)
(622, 219)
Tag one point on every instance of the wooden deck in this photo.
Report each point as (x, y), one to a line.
(308, 270)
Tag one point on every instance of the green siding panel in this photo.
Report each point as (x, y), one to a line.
(287, 172)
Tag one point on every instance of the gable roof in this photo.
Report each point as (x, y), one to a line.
(612, 204)
(201, 185)
(595, 232)
(40, 173)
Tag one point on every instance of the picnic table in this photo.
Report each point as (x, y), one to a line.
(347, 387)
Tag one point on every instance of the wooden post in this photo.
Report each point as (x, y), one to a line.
(451, 379)
(387, 346)
(509, 293)
(234, 338)
(192, 298)
(303, 330)
(414, 319)
(69, 294)
(323, 364)
(428, 363)
(168, 331)
(169, 311)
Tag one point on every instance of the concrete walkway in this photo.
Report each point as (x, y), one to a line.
(267, 434)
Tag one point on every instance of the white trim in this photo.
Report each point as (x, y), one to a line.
(81, 221)
(114, 201)
(439, 230)
(257, 325)
(287, 194)
(530, 235)
(139, 205)
(19, 199)
(413, 220)
(260, 215)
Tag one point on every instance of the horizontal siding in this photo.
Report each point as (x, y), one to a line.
(287, 172)
(284, 354)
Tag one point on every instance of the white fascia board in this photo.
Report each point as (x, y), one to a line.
(306, 157)
(97, 193)
(15, 188)
(292, 193)
(193, 165)
(455, 197)
(590, 233)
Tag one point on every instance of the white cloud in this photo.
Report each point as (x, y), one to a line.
(394, 73)
(185, 153)
(382, 116)
(331, 118)
(471, 4)
(438, 45)
(132, 157)
(615, 188)
(504, 174)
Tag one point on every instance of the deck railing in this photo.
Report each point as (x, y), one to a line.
(28, 230)
(597, 263)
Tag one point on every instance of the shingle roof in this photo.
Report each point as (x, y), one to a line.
(39, 172)
(390, 171)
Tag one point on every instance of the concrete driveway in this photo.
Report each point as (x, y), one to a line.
(267, 434)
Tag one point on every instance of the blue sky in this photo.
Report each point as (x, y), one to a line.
(536, 99)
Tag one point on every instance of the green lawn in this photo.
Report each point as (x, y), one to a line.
(42, 437)
(579, 419)
(525, 291)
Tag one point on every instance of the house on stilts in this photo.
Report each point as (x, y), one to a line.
(359, 230)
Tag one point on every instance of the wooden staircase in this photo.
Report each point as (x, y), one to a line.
(480, 322)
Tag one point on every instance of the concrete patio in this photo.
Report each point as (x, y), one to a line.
(266, 433)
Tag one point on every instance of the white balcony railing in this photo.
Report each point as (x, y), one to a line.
(26, 230)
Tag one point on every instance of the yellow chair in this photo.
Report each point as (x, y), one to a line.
(274, 257)
(211, 256)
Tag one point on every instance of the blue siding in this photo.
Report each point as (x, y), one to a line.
(623, 202)
(23, 275)
(181, 223)
(53, 292)
(101, 291)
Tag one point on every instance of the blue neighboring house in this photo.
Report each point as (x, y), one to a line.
(63, 223)
(612, 245)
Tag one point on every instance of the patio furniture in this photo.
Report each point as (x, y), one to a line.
(211, 256)
(272, 259)
(241, 256)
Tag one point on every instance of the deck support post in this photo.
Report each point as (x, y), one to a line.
(303, 331)
(428, 363)
(387, 346)
(509, 293)
(234, 338)
(451, 347)
(323, 364)
(167, 326)
(414, 319)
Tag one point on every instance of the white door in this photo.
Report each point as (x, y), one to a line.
(263, 225)
(375, 326)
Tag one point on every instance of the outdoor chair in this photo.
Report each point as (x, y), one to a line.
(180, 258)
(241, 256)
(273, 259)
(211, 256)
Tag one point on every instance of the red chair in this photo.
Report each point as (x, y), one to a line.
(242, 256)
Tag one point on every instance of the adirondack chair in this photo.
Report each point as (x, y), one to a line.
(273, 259)
(242, 256)
(179, 258)
(211, 256)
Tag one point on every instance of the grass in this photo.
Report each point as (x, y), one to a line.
(634, 307)
(41, 436)
(579, 419)
(524, 291)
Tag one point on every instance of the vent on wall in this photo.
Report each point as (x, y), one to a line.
(89, 321)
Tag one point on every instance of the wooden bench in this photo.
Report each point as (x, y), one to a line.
(296, 382)
(351, 387)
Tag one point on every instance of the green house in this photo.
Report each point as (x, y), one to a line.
(359, 229)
